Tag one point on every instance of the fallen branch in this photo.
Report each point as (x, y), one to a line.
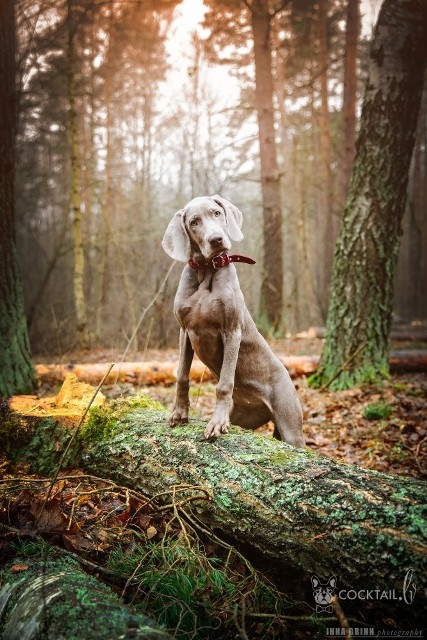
(158, 372)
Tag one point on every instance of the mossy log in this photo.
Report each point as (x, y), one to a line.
(55, 599)
(291, 506)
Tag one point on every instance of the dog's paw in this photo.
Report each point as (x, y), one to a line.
(178, 417)
(215, 427)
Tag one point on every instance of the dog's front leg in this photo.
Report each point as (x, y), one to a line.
(224, 392)
(179, 413)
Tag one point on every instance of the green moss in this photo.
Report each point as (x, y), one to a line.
(377, 411)
(329, 377)
(104, 422)
(80, 606)
(15, 433)
(46, 446)
(400, 386)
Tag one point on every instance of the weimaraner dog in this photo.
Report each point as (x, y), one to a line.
(253, 385)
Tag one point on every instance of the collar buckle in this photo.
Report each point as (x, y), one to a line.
(222, 260)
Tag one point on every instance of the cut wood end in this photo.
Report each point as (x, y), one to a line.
(72, 400)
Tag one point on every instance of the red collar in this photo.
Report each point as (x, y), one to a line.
(217, 262)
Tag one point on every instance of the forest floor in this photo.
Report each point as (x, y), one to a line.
(113, 530)
(381, 426)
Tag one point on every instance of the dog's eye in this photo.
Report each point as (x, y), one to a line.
(217, 213)
(193, 222)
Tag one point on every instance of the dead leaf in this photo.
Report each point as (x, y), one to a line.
(16, 568)
(151, 532)
(51, 518)
(77, 542)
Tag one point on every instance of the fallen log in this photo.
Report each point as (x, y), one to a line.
(137, 373)
(158, 372)
(55, 599)
(404, 333)
(291, 506)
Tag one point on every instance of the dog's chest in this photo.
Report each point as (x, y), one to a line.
(211, 307)
(202, 313)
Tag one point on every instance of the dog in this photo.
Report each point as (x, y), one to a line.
(253, 384)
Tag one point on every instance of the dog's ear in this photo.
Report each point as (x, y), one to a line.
(315, 582)
(176, 242)
(234, 217)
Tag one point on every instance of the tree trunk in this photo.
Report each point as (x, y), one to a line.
(272, 282)
(325, 187)
(348, 129)
(359, 317)
(55, 599)
(287, 505)
(16, 369)
(76, 204)
(411, 273)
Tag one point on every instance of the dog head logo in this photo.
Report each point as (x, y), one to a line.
(323, 593)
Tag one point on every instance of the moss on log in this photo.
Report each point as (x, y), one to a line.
(55, 599)
(297, 508)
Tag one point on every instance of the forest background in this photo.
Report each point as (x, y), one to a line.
(120, 123)
(128, 109)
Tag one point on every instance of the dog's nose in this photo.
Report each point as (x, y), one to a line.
(216, 241)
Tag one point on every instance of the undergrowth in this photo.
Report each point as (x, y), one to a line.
(177, 583)
(377, 411)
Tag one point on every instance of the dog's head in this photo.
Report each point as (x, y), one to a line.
(323, 591)
(206, 225)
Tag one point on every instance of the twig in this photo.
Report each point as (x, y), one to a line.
(240, 626)
(70, 442)
(198, 391)
(142, 316)
(342, 620)
(343, 366)
(147, 340)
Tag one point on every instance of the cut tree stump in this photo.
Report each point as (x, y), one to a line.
(55, 599)
(289, 506)
(158, 372)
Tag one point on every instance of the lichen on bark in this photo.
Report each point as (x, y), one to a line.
(55, 599)
(288, 505)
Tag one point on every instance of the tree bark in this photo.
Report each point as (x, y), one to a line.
(290, 506)
(272, 282)
(16, 369)
(75, 195)
(360, 310)
(348, 128)
(326, 221)
(55, 599)
(411, 272)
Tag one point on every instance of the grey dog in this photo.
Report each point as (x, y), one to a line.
(253, 385)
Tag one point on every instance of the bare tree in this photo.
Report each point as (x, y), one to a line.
(272, 282)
